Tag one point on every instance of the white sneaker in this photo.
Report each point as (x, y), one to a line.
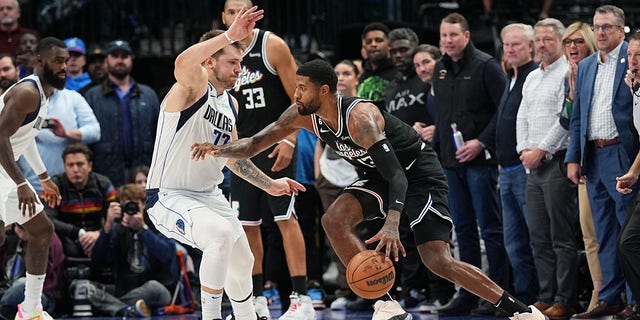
(262, 308)
(339, 304)
(301, 308)
(389, 310)
(39, 315)
(431, 306)
(535, 314)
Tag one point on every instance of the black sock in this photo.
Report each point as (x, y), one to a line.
(511, 305)
(299, 284)
(258, 285)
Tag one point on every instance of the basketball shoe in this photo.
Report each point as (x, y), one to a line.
(535, 314)
(38, 315)
(301, 308)
(262, 311)
(389, 310)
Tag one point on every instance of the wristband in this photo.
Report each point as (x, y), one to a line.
(23, 183)
(228, 38)
(45, 179)
(293, 145)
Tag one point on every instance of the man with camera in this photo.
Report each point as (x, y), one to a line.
(143, 260)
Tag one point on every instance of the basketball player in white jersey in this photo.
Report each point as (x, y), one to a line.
(183, 198)
(23, 108)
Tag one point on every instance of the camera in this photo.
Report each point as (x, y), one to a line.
(48, 123)
(130, 207)
(79, 272)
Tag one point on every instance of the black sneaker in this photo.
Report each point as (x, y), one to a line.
(484, 309)
(359, 304)
(456, 307)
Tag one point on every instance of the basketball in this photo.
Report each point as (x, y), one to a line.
(369, 275)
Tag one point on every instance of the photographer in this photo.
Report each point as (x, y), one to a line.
(144, 262)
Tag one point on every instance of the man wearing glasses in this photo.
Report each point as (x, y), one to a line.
(601, 147)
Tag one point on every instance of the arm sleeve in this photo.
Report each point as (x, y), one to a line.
(389, 167)
(33, 158)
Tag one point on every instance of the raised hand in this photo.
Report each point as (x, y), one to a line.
(244, 23)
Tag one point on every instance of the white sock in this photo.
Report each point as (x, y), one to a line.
(33, 293)
(211, 305)
(244, 309)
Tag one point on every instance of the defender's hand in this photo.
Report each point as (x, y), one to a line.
(200, 150)
(283, 153)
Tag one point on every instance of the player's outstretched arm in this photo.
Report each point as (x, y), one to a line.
(245, 169)
(245, 148)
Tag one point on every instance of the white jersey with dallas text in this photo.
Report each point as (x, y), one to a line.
(210, 119)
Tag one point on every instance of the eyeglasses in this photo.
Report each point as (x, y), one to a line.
(604, 28)
(577, 42)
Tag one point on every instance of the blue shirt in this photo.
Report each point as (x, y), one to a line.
(74, 113)
(78, 82)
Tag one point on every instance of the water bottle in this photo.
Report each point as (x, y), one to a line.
(457, 136)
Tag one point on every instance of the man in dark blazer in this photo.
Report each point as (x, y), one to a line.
(601, 147)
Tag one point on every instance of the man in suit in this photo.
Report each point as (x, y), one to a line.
(601, 145)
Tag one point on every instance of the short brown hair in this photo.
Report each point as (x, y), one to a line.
(214, 33)
(454, 18)
(77, 148)
(131, 192)
(635, 36)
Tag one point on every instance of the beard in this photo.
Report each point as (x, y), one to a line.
(52, 79)
(307, 109)
(227, 82)
(5, 83)
(119, 72)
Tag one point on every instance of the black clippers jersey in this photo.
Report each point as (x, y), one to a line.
(405, 141)
(260, 94)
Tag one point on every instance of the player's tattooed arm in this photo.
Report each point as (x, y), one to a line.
(273, 133)
(249, 172)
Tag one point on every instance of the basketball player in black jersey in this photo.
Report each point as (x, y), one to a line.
(400, 169)
(264, 90)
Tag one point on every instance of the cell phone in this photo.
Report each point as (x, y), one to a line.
(48, 123)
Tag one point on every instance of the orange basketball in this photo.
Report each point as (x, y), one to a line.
(370, 275)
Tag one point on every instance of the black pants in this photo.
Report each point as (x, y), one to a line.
(629, 248)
